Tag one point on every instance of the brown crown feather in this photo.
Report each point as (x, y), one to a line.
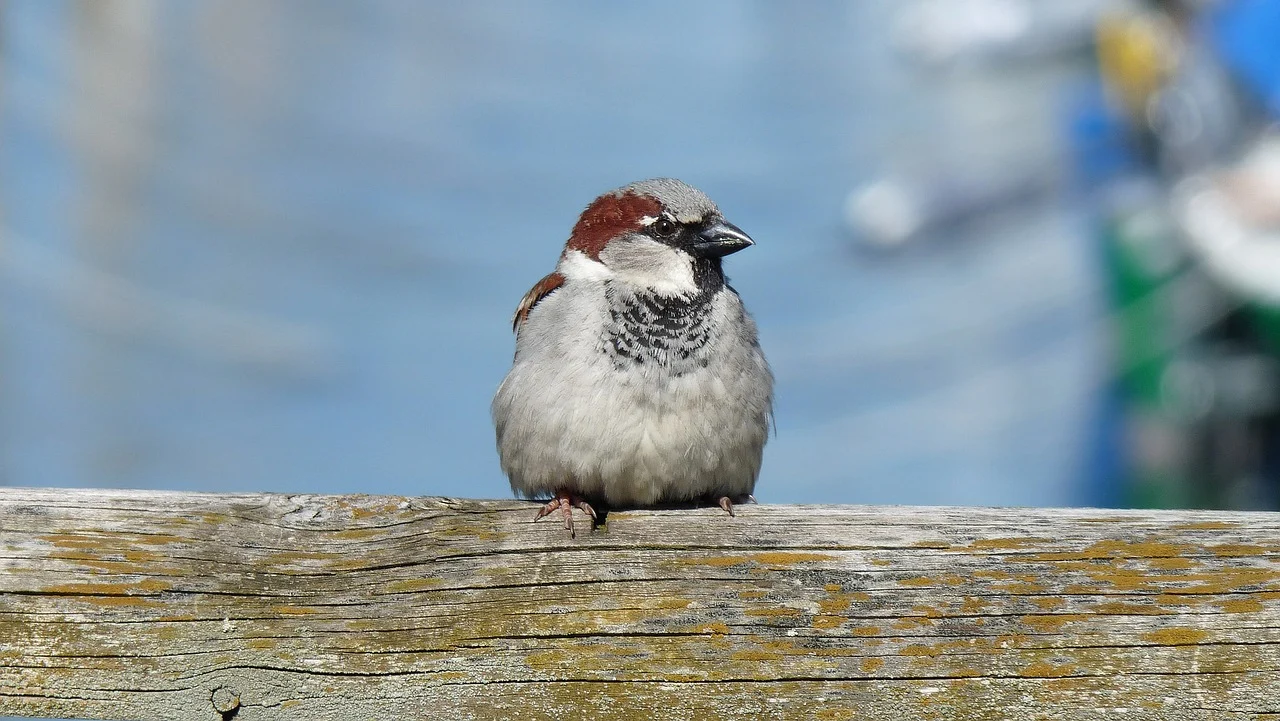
(609, 216)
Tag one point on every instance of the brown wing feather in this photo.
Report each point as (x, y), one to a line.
(539, 291)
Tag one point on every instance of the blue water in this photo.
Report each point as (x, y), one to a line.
(276, 246)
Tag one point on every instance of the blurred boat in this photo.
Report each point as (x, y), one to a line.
(946, 32)
(1175, 148)
(890, 212)
(1199, 372)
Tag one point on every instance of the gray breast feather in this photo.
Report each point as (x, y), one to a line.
(615, 396)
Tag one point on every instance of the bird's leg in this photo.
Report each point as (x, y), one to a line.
(727, 503)
(565, 502)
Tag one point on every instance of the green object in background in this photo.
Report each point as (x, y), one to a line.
(1143, 261)
(1266, 318)
(1151, 288)
(1196, 362)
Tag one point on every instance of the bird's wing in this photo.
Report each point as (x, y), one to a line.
(540, 290)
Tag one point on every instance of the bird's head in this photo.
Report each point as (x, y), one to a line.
(660, 235)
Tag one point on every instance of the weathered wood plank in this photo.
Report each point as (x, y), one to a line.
(133, 605)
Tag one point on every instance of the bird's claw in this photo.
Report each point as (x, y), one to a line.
(727, 503)
(565, 503)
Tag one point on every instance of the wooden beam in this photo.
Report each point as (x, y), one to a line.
(142, 605)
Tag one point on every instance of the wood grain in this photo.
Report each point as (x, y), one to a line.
(142, 605)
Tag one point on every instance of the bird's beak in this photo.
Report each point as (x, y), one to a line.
(720, 239)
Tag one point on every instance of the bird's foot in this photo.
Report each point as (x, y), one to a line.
(565, 502)
(727, 503)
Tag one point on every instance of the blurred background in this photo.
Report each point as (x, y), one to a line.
(1008, 252)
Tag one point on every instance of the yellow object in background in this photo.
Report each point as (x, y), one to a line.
(1137, 54)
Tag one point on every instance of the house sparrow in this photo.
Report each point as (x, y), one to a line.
(638, 378)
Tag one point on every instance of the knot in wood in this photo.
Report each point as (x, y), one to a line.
(226, 700)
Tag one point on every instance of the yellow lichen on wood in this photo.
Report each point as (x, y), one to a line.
(1051, 623)
(1206, 526)
(1011, 544)
(1241, 605)
(1041, 669)
(413, 585)
(1176, 636)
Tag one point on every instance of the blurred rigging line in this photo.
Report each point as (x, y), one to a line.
(111, 304)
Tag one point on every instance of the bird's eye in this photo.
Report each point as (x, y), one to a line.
(664, 228)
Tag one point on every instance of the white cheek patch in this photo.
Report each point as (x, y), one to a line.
(648, 264)
(575, 265)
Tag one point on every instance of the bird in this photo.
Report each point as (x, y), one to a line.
(638, 378)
